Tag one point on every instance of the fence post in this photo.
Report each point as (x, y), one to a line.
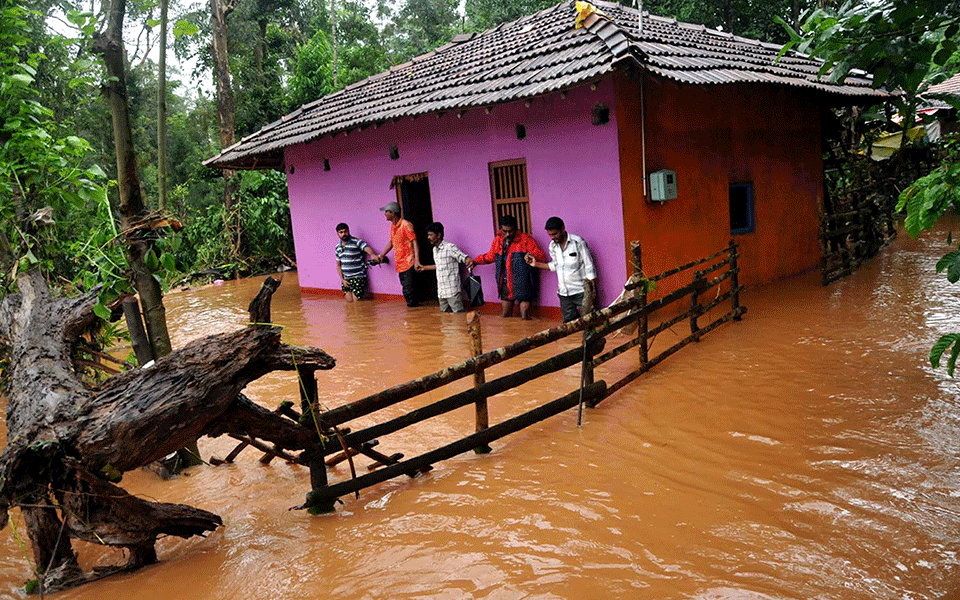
(309, 411)
(734, 282)
(643, 321)
(695, 305)
(589, 296)
(476, 348)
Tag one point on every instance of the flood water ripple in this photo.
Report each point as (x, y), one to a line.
(808, 452)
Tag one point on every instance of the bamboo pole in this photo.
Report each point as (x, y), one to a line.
(277, 452)
(650, 308)
(476, 347)
(343, 455)
(309, 407)
(330, 494)
(138, 335)
(395, 457)
(588, 302)
(266, 458)
(734, 281)
(644, 316)
(666, 353)
(698, 284)
(824, 250)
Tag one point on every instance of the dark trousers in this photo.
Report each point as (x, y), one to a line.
(571, 307)
(406, 283)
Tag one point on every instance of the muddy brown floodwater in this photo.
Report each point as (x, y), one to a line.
(807, 452)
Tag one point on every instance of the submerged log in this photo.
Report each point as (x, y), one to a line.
(63, 433)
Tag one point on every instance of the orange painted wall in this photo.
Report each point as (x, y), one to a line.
(713, 136)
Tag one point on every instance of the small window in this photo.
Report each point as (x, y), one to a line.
(741, 208)
(508, 186)
(600, 114)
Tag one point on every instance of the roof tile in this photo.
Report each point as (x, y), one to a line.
(534, 55)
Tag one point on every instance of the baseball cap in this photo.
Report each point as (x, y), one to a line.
(391, 206)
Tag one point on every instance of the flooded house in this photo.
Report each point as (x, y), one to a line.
(627, 127)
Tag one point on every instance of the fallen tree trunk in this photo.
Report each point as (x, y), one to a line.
(63, 432)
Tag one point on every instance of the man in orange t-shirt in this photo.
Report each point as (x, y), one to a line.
(406, 255)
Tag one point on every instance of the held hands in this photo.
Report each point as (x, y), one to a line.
(470, 264)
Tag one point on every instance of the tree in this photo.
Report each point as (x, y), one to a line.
(901, 42)
(485, 14)
(422, 25)
(52, 199)
(133, 214)
(219, 11)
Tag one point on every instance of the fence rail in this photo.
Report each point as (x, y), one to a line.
(633, 311)
(851, 236)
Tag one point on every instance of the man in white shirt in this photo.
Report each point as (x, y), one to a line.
(447, 259)
(571, 259)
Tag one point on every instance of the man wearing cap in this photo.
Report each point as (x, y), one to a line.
(406, 255)
(571, 259)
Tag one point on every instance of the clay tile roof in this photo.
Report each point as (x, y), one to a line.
(950, 87)
(535, 55)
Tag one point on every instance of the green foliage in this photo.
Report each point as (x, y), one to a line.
(485, 14)
(901, 42)
(942, 345)
(422, 25)
(49, 198)
(933, 195)
(313, 74)
(928, 199)
(950, 262)
(266, 234)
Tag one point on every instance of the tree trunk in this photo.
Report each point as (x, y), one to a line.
(132, 211)
(162, 110)
(63, 434)
(334, 42)
(219, 11)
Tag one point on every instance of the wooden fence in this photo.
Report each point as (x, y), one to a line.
(858, 232)
(340, 443)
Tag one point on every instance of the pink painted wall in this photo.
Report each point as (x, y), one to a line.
(572, 169)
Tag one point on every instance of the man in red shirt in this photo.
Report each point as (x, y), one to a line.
(406, 255)
(515, 280)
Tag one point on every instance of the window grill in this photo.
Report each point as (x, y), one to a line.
(508, 187)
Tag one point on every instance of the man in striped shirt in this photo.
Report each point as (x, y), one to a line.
(352, 264)
(447, 259)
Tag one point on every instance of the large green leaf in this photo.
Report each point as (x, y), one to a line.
(936, 352)
(951, 262)
(151, 261)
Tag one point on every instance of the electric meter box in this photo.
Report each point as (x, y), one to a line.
(663, 185)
